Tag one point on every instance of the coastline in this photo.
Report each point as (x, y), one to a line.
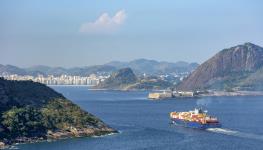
(60, 135)
(212, 94)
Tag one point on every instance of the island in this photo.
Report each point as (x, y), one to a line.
(33, 112)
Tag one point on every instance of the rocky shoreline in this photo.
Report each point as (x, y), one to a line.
(58, 135)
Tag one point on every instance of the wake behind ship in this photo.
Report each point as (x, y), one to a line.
(195, 119)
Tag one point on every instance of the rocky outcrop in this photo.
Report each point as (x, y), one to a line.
(119, 79)
(125, 79)
(226, 69)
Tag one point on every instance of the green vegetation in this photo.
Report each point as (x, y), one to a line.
(253, 81)
(59, 114)
(29, 110)
(19, 122)
(149, 84)
(228, 82)
(55, 116)
(23, 93)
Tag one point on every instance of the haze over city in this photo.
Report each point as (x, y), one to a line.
(81, 33)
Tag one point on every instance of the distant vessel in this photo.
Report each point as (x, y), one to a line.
(195, 119)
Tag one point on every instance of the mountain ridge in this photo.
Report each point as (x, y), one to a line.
(155, 67)
(227, 68)
(140, 66)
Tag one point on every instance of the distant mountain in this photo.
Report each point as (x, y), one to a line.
(141, 66)
(79, 71)
(9, 69)
(45, 70)
(236, 67)
(125, 79)
(119, 79)
(56, 71)
(33, 112)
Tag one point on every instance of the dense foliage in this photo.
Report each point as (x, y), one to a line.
(55, 116)
(26, 121)
(149, 84)
(32, 109)
(59, 114)
(23, 93)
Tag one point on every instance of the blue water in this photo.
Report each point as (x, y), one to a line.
(144, 124)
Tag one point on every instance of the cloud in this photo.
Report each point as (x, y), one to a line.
(104, 23)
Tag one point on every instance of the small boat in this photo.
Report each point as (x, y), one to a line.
(195, 119)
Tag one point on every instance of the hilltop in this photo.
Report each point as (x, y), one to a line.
(33, 112)
(125, 79)
(238, 67)
(119, 79)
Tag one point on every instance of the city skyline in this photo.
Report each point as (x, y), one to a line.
(91, 80)
(86, 33)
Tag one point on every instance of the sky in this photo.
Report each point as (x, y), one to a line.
(72, 33)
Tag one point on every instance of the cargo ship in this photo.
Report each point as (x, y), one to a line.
(195, 119)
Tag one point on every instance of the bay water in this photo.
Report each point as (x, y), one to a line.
(145, 125)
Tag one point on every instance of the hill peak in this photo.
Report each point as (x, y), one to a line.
(227, 66)
(250, 44)
(124, 76)
(245, 46)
